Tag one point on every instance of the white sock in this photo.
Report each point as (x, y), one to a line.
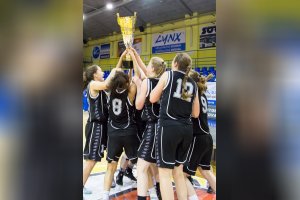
(194, 197)
(105, 195)
(152, 189)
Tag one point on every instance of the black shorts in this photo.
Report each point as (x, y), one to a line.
(141, 126)
(200, 154)
(146, 150)
(115, 145)
(96, 139)
(172, 145)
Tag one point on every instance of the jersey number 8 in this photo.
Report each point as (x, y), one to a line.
(117, 106)
(188, 86)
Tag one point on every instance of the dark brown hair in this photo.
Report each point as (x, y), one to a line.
(88, 74)
(184, 63)
(119, 82)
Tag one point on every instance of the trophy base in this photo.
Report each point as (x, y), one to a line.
(127, 64)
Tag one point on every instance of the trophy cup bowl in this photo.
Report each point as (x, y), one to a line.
(127, 29)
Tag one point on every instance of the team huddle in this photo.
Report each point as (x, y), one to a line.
(158, 118)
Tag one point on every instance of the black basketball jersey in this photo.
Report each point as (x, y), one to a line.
(120, 110)
(151, 110)
(200, 124)
(98, 111)
(173, 107)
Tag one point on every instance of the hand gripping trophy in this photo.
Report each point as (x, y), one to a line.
(127, 29)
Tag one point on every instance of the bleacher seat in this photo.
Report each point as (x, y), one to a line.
(197, 69)
(211, 68)
(204, 69)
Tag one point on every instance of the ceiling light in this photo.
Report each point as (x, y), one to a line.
(83, 17)
(109, 6)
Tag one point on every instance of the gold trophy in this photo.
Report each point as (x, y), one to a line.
(127, 29)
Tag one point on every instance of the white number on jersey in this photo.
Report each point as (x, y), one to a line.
(117, 106)
(204, 104)
(188, 86)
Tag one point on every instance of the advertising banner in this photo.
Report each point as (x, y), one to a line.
(207, 37)
(168, 42)
(104, 51)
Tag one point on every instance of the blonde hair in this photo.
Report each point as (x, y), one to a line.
(184, 63)
(158, 65)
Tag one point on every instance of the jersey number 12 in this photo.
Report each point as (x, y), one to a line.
(188, 86)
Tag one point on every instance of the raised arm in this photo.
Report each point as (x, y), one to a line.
(119, 65)
(132, 92)
(157, 91)
(135, 64)
(141, 92)
(139, 61)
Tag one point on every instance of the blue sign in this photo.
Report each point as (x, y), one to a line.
(168, 42)
(104, 51)
(96, 52)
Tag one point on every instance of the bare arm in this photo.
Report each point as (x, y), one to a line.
(97, 86)
(135, 64)
(130, 75)
(141, 94)
(140, 62)
(196, 107)
(157, 91)
(119, 65)
(132, 92)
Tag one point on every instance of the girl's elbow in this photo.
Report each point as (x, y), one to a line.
(152, 99)
(138, 106)
(196, 114)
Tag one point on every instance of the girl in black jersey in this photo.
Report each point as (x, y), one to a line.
(122, 132)
(96, 126)
(202, 146)
(179, 101)
(146, 151)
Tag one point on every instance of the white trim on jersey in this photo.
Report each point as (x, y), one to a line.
(100, 140)
(148, 87)
(90, 140)
(192, 149)
(190, 169)
(180, 71)
(168, 80)
(153, 142)
(169, 100)
(120, 91)
(129, 101)
(201, 127)
(90, 93)
(132, 158)
(181, 162)
(141, 145)
(204, 165)
(162, 151)
(108, 149)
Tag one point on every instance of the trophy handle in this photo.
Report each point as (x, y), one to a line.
(118, 18)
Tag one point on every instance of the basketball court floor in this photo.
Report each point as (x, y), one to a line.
(128, 190)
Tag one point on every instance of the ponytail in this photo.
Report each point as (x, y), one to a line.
(184, 63)
(184, 93)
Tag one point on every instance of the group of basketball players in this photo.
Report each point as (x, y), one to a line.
(157, 117)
